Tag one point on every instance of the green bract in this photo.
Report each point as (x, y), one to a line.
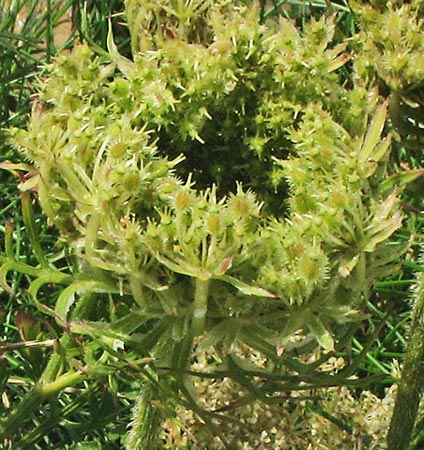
(222, 177)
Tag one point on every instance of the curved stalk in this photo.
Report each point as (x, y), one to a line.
(33, 399)
(33, 235)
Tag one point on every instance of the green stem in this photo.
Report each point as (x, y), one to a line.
(8, 240)
(200, 306)
(91, 236)
(147, 418)
(33, 399)
(411, 385)
(29, 220)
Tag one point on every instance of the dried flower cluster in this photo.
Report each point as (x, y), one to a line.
(358, 422)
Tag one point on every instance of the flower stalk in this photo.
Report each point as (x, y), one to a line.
(200, 306)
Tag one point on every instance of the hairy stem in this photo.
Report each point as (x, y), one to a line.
(411, 385)
(147, 418)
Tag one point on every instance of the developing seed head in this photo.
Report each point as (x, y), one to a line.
(213, 224)
(243, 204)
(118, 150)
(183, 200)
